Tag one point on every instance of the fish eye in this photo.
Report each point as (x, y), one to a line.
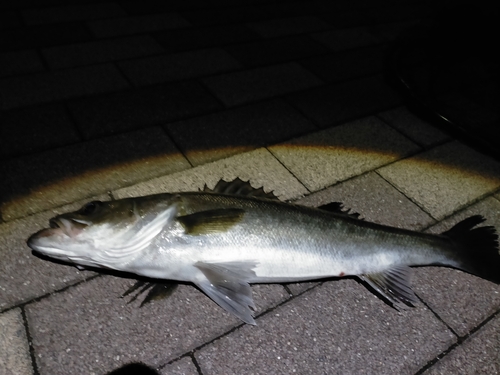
(90, 208)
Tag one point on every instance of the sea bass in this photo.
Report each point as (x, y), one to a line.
(227, 238)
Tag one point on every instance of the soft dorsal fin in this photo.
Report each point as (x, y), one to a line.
(393, 285)
(211, 221)
(239, 187)
(338, 208)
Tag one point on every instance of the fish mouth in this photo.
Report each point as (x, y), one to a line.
(70, 227)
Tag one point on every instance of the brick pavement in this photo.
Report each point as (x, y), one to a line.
(105, 100)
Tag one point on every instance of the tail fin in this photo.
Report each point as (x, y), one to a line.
(478, 247)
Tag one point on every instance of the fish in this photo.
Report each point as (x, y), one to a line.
(226, 238)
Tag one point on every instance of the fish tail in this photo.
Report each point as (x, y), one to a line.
(478, 248)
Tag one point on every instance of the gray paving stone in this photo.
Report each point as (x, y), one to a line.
(139, 108)
(479, 354)
(135, 25)
(101, 51)
(43, 36)
(178, 66)
(419, 131)
(334, 104)
(324, 158)
(85, 169)
(273, 51)
(390, 32)
(251, 85)
(71, 13)
(338, 327)
(20, 62)
(86, 329)
(375, 200)
(445, 178)
(258, 166)
(208, 138)
(24, 276)
(461, 300)
(348, 64)
(9, 20)
(299, 288)
(25, 130)
(339, 40)
(14, 354)
(183, 366)
(205, 37)
(288, 26)
(47, 87)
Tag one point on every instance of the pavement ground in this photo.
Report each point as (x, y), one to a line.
(105, 100)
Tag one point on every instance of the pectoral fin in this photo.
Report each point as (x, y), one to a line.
(211, 221)
(393, 285)
(227, 284)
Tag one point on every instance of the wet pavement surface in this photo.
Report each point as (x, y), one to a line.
(106, 100)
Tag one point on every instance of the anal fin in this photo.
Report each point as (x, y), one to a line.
(227, 285)
(394, 286)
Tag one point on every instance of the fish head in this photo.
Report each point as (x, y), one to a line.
(105, 234)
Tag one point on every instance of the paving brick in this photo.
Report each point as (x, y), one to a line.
(343, 39)
(14, 356)
(365, 330)
(197, 38)
(24, 276)
(395, 12)
(135, 25)
(104, 324)
(219, 135)
(375, 200)
(251, 85)
(20, 62)
(154, 7)
(477, 355)
(289, 26)
(274, 51)
(43, 36)
(85, 169)
(241, 14)
(134, 109)
(345, 65)
(344, 19)
(258, 166)
(100, 51)
(461, 300)
(445, 178)
(71, 13)
(9, 20)
(35, 129)
(417, 130)
(183, 366)
(46, 87)
(334, 104)
(392, 31)
(324, 158)
(178, 66)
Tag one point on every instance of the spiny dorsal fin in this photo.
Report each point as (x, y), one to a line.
(338, 208)
(393, 285)
(211, 221)
(239, 187)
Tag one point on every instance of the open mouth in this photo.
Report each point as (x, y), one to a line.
(69, 227)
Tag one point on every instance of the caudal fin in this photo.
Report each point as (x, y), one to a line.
(478, 247)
